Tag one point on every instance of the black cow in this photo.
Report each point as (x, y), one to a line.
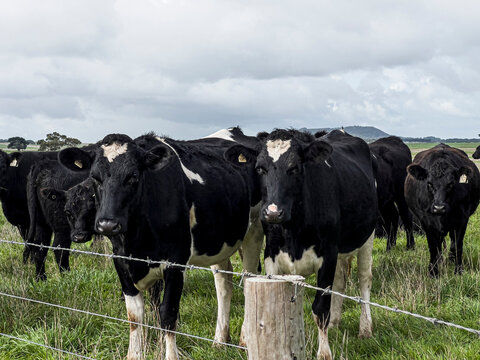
(179, 202)
(46, 210)
(476, 154)
(443, 190)
(14, 169)
(393, 157)
(319, 203)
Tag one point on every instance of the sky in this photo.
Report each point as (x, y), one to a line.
(188, 68)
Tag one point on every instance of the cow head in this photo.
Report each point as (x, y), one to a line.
(7, 161)
(441, 179)
(476, 154)
(117, 168)
(281, 166)
(80, 211)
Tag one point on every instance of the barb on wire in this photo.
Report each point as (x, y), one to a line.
(249, 274)
(46, 346)
(118, 319)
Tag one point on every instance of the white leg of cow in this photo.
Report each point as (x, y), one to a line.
(339, 284)
(324, 352)
(135, 311)
(171, 351)
(365, 280)
(223, 285)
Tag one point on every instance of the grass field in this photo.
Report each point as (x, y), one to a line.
(400, 279)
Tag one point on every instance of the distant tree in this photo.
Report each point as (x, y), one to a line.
(30, 142)
(56, 141)
(17, 142)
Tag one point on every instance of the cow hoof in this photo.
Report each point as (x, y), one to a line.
(365, 334)
(217, 343)
(41, 277)
(324, 355)
(459, 270)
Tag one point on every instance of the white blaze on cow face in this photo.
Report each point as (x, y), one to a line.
(190, 174)
(224, 134)
(114, 150)
(277, 148)
(135, 310)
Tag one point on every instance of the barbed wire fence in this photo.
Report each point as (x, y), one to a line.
(242, 275)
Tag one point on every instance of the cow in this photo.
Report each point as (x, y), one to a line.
(319, 209)
(177, 201)
(14, 169)
(393, 157)
(442, 189)
(476, 154)
(46, 211)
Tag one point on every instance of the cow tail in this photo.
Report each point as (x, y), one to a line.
(32, 202)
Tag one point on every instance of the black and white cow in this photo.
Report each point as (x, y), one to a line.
(319, 204)
(476, 154)
(46, 182)
(393, 157)
(14, 169)
(442, 189)
(178, 201)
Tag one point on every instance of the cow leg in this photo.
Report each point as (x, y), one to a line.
(223, 286)
(23, 230)
(407, 221)
(339, 284)
(169, 310)
(321, 304)
(135, 311)
(62, 256)
(434, 241)
(456, 247)
(43, 236)
(365, 280)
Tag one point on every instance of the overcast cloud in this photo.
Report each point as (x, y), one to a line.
(187, 68)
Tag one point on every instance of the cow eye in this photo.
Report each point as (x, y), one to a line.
(261, 170)
(132, 178)
(293, 170)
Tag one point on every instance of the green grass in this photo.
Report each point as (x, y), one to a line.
(400, 279)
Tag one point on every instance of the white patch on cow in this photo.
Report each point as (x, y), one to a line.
(342, 130)
(308, 264)
(14, 162)
(207, 260)
(463, 179)
(192, 217)
(328, 164)
(272, 207)
(114, 150)
(135, 311)
(171, 351)
(190, 174)
(277, 148)
(376, 183)
(374, 155)
(224, 134)
(154, 274)
(324, 351)
(223, 286)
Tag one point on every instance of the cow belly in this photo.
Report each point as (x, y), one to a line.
(308, 264)
(154, 274)
(206, 260)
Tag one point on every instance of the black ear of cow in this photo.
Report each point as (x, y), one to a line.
(318, 151)
(417, 172)
(262, 136)
(463, 174)
(76, 159)
(158, 157)
(52, 194)
(240, 155)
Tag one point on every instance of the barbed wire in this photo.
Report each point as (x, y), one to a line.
(357, 299)
(47, 346)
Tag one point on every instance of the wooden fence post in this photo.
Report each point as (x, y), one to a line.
(274, 319)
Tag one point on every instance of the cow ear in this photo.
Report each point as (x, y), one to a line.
(158, 157)
(76, 159)
(53, 194)
(463, 174)
(262, 136)
(240, 155)
(318, 151)
(417, 172)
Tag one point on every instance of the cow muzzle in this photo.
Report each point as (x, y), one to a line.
(108, 227)
(273, 215)
(80, 237)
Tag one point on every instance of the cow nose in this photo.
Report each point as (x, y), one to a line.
(273, 215)
(439, 209)
(80, 237)
(108, 227)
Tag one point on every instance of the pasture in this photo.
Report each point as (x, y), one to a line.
(400, 279)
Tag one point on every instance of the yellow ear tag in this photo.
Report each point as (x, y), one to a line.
(79, 163)
(242, 158)
(463, 179)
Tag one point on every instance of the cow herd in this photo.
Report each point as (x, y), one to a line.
(315, 199)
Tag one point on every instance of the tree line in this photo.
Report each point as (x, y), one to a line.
(52, 142)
